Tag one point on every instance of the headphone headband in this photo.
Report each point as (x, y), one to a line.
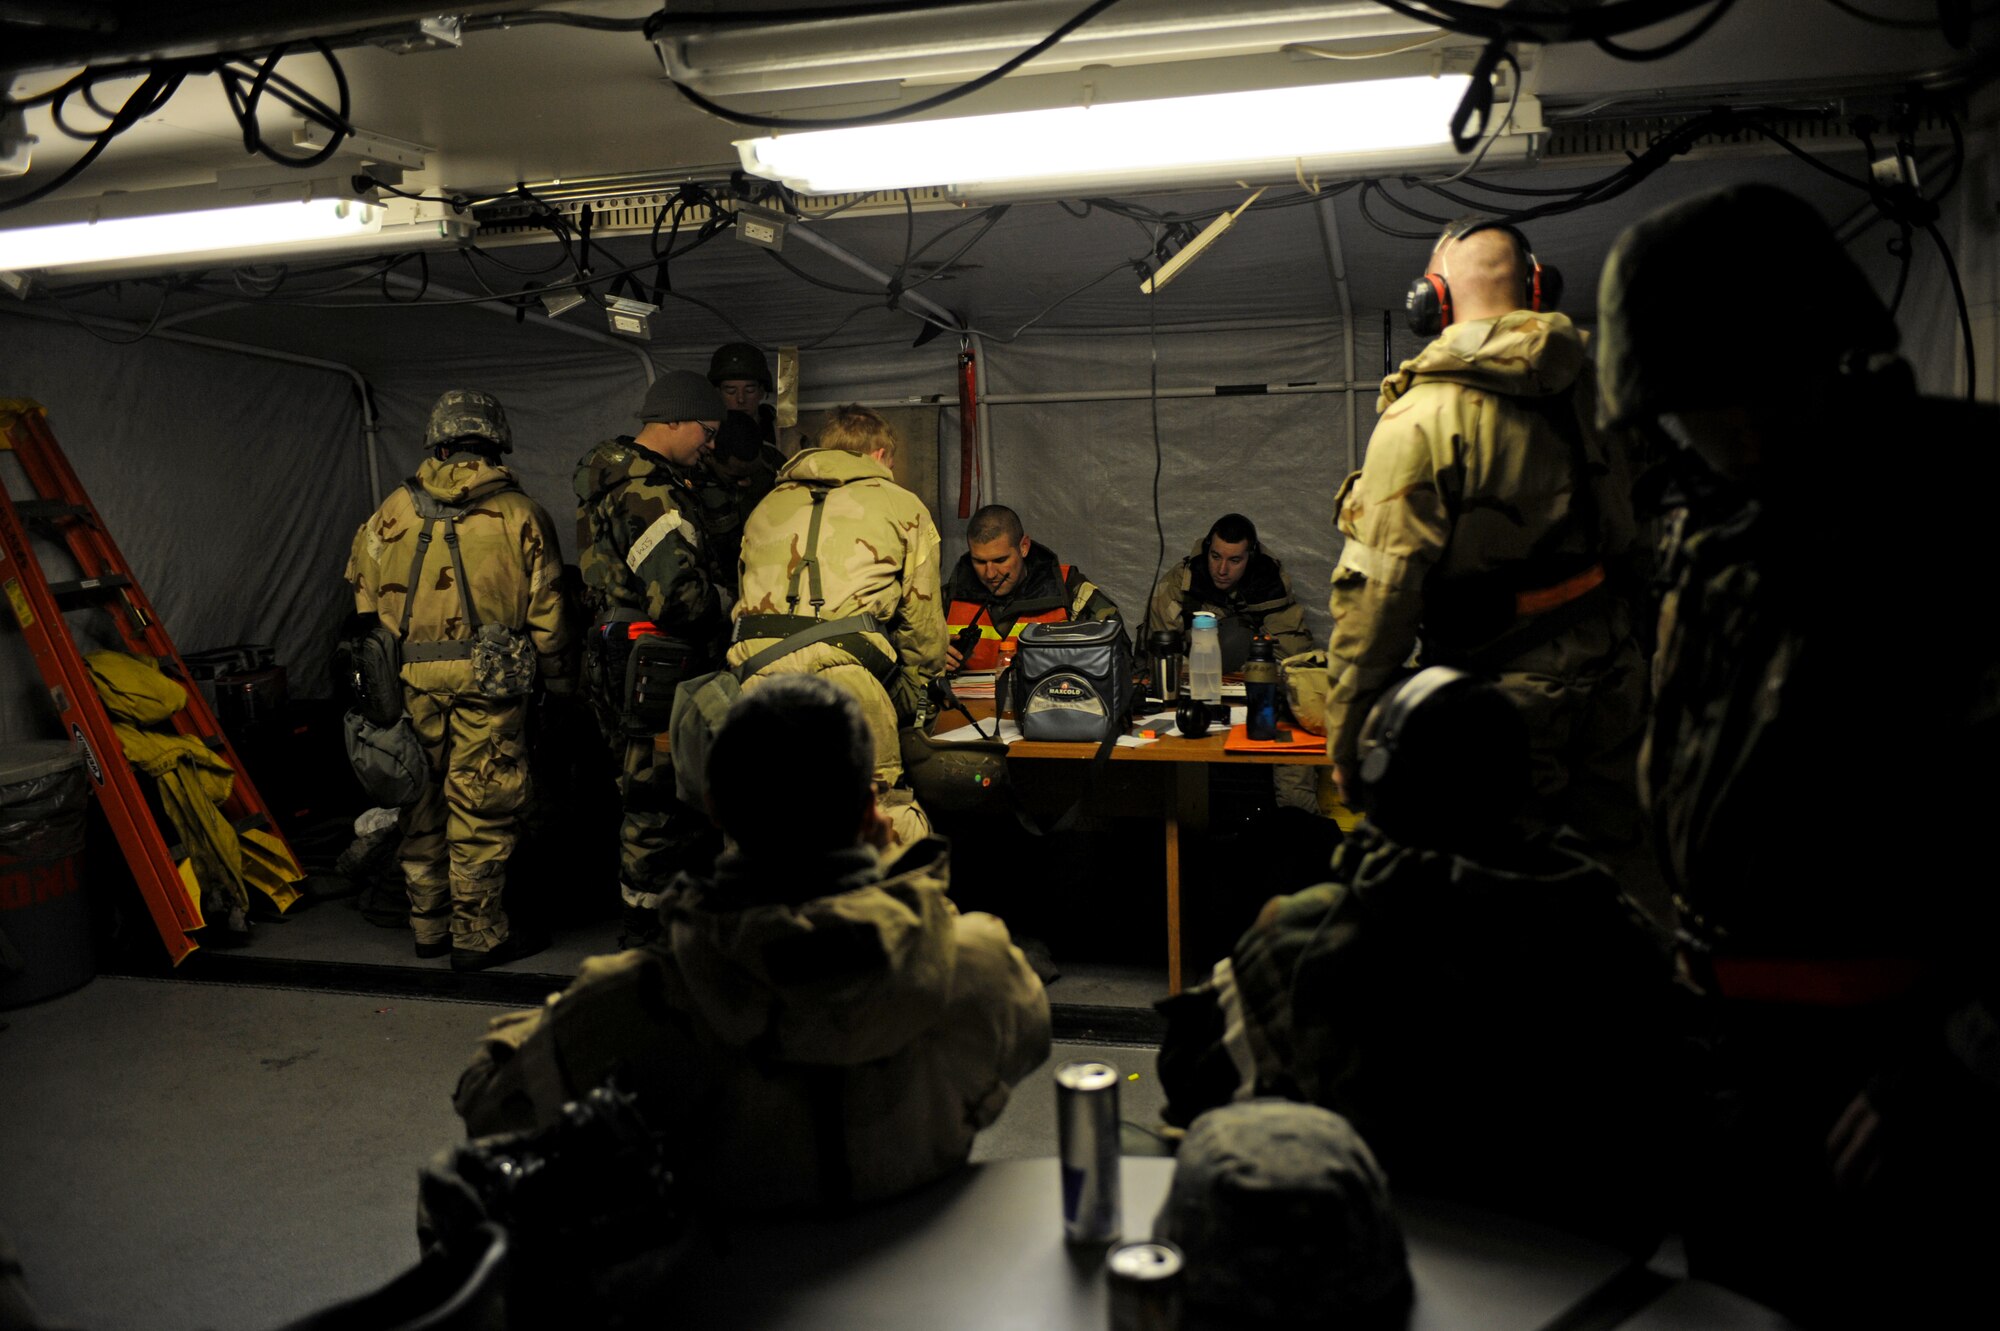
(1427, 305)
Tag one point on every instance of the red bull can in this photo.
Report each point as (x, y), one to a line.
(1087, 1134)
(1145, 1284)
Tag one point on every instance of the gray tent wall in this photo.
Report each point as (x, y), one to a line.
(231, 483)
(234, 484)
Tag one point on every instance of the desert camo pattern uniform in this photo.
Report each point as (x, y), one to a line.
(1448, 533)
(471, 712)
(878, 553)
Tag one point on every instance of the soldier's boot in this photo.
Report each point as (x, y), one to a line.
(427, 904)
(481, 935)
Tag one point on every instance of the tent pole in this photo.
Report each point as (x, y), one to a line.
(1336, 265)
(1099, 395)
(371, 426)
(985, 413)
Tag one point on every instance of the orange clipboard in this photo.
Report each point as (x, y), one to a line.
(1301, 741)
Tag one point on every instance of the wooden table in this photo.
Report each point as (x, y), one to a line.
(1184, 763)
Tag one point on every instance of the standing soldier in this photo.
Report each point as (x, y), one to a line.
(650, 582)
(838, 544)
(1822, 764)
(745, 463)
(476, 628)
(1491, 529)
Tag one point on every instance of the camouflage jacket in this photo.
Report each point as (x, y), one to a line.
(640, 542)
(1823, 757)
(1414, 982)
(1469, 472)
(1261, 603)
(775, 992)
(508, 544)
(877, 555)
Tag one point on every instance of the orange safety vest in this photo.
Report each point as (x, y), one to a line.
(985, 653)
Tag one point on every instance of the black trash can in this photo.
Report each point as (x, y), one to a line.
(45, 943)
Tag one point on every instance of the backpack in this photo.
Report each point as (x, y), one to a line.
(382, 746)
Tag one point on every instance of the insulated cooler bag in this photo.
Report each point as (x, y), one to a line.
(1072, 681)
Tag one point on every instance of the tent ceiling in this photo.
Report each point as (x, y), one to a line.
(540, 102)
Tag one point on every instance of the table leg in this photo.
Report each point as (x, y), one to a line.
(1187, 813)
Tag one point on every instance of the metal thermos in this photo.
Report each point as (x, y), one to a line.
(1166, 653)
(1087, 1137)
(1145, 1284)
(1263, 680)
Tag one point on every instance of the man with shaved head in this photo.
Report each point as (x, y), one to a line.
(1490, 528)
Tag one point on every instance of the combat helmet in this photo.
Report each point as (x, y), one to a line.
(468, 413)
(1283, 1215)
(1734, 297)
(739, 360)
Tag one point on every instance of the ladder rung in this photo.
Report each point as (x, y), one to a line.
(47, 510)
(88, 587)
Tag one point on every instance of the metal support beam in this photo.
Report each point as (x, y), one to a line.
(1336, 267)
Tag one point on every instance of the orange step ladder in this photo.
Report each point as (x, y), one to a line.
(62, 511)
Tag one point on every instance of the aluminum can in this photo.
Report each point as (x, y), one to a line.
(1087, 1133)
(1145, 1284)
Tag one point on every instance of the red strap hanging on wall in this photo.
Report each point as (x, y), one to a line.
(968, 433)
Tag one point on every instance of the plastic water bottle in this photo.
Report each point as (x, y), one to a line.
(1204, 659)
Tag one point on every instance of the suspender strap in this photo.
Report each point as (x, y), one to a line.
(453, 649)
(797, 631)
(810, 564)
(458, 567)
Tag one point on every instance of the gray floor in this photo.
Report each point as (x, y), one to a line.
(335, 931)
(186, 1155)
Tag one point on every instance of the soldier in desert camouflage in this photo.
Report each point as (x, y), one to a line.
(1490, 528)
(652, 587)
(479, 619)
(838, 538)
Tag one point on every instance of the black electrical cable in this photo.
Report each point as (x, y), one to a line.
(1964, 317)
(140, 336)
(1903, 251)
(899, 112)
(1159, 454)
(1405, 208)
(1369, 187)
(423, 284)
(1548, 27)
(149, 96)
(1665, 49)
(1882, 20)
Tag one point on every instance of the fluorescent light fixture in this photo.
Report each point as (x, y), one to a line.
(1273, 132)
(253, 226)
(702, 49)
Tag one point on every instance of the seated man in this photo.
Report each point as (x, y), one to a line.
(813, 1029)
(1487, 1009)
(1004, 582)
(1228, 573)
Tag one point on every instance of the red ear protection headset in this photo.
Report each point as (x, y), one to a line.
(1428, 303)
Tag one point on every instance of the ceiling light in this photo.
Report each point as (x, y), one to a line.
(701, 49)
(212, 225)
(1270, 133)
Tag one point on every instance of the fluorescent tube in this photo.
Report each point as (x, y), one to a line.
(1306, 125)
(250, 226)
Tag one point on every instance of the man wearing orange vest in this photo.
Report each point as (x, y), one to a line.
(1005, 582)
